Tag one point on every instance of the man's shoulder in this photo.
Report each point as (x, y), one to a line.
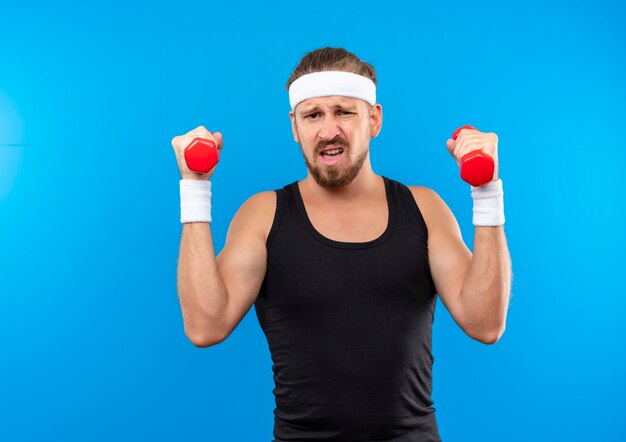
(262, 204)
(417, 191)
(265, 199)
(424, 196)
(422, 192)
(432, 207)
(256, 215)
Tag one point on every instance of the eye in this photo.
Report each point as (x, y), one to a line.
(310, 115)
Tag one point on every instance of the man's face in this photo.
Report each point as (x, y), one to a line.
(345, 124)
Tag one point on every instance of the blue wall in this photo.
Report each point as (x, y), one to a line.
(93, 346)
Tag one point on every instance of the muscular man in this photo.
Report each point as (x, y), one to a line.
(344, 267)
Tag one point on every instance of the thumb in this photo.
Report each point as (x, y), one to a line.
(219, 140)
(450, 145)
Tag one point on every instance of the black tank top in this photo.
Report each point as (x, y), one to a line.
(349, 327)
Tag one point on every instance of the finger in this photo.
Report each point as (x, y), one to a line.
(465, 138)
(470, 146)
(200, 132)
(467, 131)
(471, 136)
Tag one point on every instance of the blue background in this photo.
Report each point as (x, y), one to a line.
(93, 346)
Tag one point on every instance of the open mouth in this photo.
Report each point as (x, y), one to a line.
(331, 156)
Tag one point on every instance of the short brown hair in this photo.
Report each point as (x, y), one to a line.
(331, 59)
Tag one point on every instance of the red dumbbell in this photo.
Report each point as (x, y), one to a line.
(201, 155)
(477, 167)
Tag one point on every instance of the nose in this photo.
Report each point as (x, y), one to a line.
(329, 129)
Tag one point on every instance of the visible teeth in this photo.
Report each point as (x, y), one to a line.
(333, 151)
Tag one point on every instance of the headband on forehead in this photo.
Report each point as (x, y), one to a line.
(328, 83)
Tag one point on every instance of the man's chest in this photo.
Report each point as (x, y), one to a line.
(362, 225)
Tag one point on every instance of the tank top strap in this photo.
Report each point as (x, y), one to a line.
(281, 202)
(408, 204)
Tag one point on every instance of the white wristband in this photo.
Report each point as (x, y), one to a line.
(195, 201)
(488, 204)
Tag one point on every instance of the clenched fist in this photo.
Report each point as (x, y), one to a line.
(179, 143)
(469, 140)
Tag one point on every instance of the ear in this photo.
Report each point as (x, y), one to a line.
(376, 120)
(294, 129)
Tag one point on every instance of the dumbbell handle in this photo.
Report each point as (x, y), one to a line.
(201, 155)
(477, 167)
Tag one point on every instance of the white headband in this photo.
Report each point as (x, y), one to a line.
(328, 83)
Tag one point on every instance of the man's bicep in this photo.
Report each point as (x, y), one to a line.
(243, 260)
(449, 257)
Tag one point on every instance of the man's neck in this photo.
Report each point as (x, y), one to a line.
(363, 187)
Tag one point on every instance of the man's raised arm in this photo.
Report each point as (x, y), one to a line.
(215, 293)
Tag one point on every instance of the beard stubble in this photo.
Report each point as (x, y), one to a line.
(332, 177)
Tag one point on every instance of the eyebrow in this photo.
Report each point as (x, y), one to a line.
(306, 110)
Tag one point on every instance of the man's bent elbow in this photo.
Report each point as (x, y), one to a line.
(491, 337)
(203, 341)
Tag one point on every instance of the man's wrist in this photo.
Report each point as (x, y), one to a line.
(195, 200)
(488, 204)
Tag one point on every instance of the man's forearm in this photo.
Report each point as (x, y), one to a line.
(487, 285)
(201, 289)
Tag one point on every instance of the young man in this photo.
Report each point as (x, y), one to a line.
(344, 267)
